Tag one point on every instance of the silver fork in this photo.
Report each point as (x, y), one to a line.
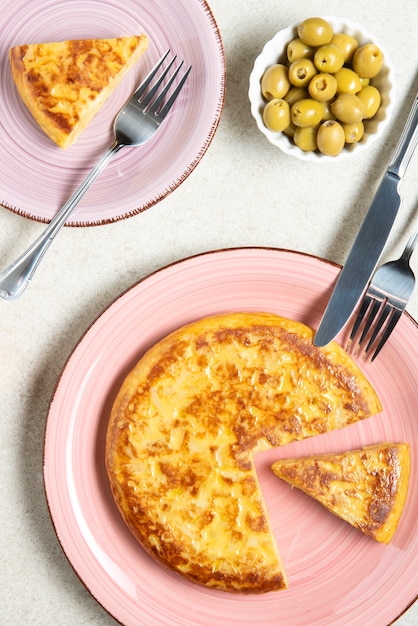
(134, 125)
(384, 302)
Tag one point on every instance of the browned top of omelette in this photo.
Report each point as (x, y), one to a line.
(185, 426)
(64, 83)
(366, 487)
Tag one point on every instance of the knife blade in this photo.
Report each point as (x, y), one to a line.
(371, 238)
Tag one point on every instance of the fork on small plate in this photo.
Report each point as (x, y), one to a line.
(383, 303)
(134, 125)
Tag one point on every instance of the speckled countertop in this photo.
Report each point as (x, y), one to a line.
(244, 192)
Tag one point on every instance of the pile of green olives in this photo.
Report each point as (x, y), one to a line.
(322, 94)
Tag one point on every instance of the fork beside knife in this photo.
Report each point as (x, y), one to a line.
(137, 122)
(384, 302)
(371, 239)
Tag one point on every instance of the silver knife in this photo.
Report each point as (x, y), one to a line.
(371, 239)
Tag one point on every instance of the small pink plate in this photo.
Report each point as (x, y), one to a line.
(337, 575)
(37, 177)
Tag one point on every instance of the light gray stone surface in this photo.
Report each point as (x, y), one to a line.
(243, 193)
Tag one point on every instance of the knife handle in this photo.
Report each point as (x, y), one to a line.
(407, 143)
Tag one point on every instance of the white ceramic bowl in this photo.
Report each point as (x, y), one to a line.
(274, 51)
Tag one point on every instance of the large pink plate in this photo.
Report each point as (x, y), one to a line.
(37, 177)
(337, 575)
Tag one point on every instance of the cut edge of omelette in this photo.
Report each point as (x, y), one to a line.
(64, 84)
(213, 358)
(366, 487)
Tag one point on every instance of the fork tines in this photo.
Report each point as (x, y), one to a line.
(157, 106)
(375, 321)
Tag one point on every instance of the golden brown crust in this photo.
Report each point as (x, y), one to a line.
(185, 426)
(366, 487)
(64, 84)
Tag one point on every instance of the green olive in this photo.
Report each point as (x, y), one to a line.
(328, 58)
(353, 132)
(370, 96)
(290, 130)
(276, 115)
(346, 43)
(296, 49)
(306, 112)
(301, 72)
(275, 83)
(315, 31)
(347, 81)
(348, 108)
(330, 138)
(296, 93)
(322, 87)
(305, 138)
(327, 113)
(368, 60)
(364, 82)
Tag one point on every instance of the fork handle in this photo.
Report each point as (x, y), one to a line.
(406, 144)
(15, 278)
(410, 246)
